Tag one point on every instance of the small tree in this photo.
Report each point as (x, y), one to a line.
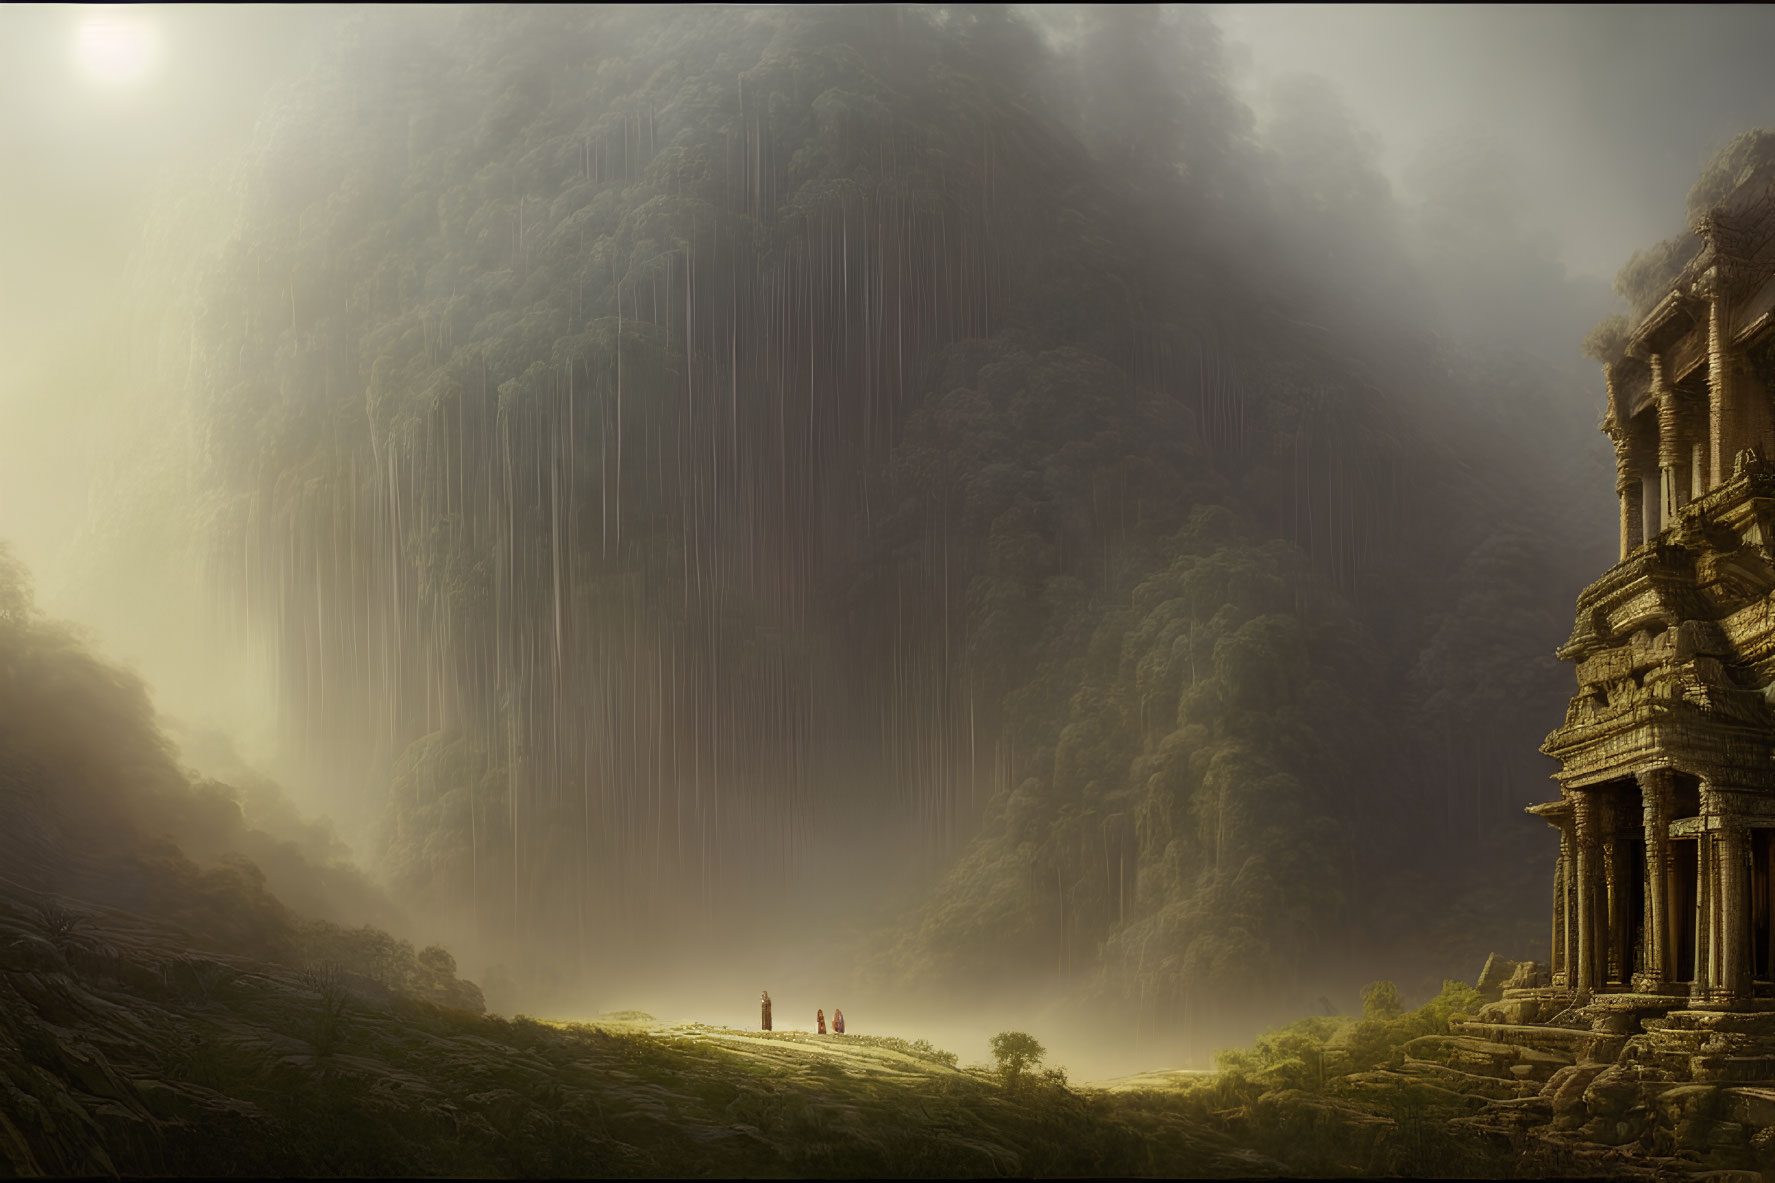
(1015, 1053)
(1380, 1000)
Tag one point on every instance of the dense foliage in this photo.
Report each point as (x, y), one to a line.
(1309, 1052)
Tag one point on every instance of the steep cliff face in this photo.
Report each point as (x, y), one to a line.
(654, 448)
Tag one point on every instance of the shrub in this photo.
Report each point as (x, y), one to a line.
(1016, 1052)
(1380, 1000)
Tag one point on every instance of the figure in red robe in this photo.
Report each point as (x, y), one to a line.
(838, 1022)
(820, 1018)
(767, 1010)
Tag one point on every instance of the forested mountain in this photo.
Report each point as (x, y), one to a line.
(660, 448)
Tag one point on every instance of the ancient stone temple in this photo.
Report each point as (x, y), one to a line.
(1666, 810)
(1652, 1030)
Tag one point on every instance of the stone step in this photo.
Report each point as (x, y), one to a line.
(1387, 1082)
(1465, 1052)
(1564, 1040)
(1673, 1062)
(1491, 1087)
(1732, 1068)
(1752, 1106)
(1756, 1024)
(1485, 1057)
(1544, 1062)
(1525, 1006)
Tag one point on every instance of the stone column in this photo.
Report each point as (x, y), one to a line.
(1736, 415)
(1562, 908)
(1629, 489)
(1734, 863)
(1633, 525)
(1716, 910)
(1585, 840)
(1557, 942)
(1655, 791)
(1673, 451)
(1649, 497)
(1568, 899)
(1721, 419)
(1703, 917)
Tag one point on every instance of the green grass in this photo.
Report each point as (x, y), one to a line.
(163, 1061)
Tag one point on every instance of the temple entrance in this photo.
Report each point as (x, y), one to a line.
(1682, 907)
(1623, 901)
(1627, 905)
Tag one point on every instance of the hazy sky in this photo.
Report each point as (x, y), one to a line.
(1609, 110)
(82, 157)
(81, 150)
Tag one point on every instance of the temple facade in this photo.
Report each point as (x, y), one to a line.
(1665, 884)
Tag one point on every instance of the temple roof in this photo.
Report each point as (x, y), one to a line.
(1669, 318)
(1740, 228)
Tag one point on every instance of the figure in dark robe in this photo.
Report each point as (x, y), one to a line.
(820, 1018)
(767, 1010)
(838, 1022)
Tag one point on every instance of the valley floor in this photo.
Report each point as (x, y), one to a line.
(124, 1050)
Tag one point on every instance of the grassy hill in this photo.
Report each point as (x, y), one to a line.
(125, 1048)
(132, 1047)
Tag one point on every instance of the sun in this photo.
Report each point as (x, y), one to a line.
(113, 48)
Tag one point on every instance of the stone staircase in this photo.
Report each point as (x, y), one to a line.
(1572, 1044)
(1708, 1046)
(1634, 1084)
(1479, 1067)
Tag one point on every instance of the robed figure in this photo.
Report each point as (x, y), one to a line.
(820, 1018)
(838, 1022)
(767, 1010)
